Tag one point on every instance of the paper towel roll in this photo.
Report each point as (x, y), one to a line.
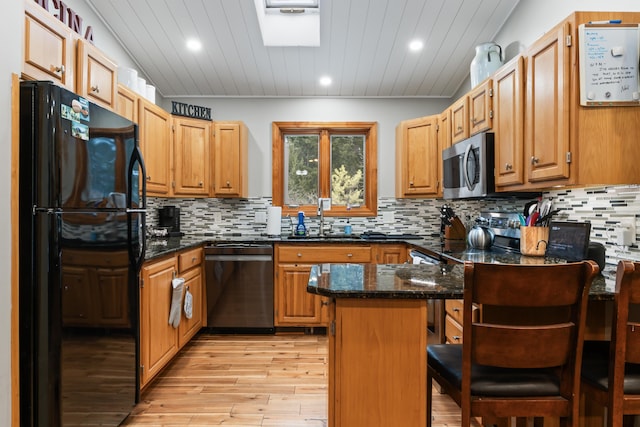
(274, 220)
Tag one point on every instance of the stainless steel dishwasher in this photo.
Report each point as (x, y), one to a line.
(239, 282)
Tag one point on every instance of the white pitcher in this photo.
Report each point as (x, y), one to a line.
(487, 60)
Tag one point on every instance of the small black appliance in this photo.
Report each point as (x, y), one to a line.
(169, 218)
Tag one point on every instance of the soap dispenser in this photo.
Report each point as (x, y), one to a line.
(301, 230)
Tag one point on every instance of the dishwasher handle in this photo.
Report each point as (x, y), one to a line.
(237, 257)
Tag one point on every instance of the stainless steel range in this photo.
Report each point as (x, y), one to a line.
(505, 227)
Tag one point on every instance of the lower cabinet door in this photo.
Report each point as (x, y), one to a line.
(158, 339)
(189, 327)
(294, 305)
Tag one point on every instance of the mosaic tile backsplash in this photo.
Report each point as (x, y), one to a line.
(605, 207)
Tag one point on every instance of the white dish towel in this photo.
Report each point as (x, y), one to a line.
(176, 301)
(188, 304)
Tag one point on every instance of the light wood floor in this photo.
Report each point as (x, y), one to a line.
(252, 381)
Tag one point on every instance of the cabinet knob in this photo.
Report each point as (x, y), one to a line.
(456, 309)
(148, 177)
(473, 120)
(349, 255)
(508, 166)
(534, 160)
(324, 302)
(59, 69)
(459, 128)
(228, 183)
(95, 89)
(201, 183)
(299, 255)
(456, 337)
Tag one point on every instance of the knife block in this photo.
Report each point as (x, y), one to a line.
(455, 231)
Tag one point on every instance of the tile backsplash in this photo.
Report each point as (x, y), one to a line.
(605, 207)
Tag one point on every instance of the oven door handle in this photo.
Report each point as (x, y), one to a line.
(465, 165)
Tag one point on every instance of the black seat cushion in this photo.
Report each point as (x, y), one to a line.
(595, 368)
(491, 381)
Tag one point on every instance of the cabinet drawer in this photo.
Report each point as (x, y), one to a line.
(453, 308)
(317, 254)
(452, 330)
(189, 259)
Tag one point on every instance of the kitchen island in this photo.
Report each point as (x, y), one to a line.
(378, 337)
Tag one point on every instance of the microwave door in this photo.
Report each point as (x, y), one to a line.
(470, 167)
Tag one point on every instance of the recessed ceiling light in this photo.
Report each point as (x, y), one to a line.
(194, 45)
(325, 81)
(416, 45)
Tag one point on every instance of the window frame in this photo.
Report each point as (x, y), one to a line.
(325, 129)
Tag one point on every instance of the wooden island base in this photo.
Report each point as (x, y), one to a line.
(378, 362)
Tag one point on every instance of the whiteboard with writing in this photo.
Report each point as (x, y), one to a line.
(609, 64)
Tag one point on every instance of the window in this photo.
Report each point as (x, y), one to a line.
(336, 160)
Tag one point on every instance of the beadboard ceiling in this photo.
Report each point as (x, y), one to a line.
(363, 47)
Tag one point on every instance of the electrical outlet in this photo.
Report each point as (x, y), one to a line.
(217, 217)
(627, 232)
(261, 217)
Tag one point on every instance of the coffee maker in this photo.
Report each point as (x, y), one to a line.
(169, 218)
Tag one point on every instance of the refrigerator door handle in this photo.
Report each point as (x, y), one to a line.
(137, 259)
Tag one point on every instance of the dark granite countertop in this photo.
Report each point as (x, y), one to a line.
(158, 247)
(403, 281)
(161, 246)
(387, 281)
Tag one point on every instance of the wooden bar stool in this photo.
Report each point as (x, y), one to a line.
(611, 369)
(524, 367)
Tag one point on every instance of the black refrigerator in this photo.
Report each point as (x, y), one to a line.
(82, 242)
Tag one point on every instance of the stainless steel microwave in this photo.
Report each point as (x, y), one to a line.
(468, 168)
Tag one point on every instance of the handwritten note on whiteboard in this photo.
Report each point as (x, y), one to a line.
(609, 64)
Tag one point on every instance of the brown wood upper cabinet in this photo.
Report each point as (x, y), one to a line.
(460, 120)
(49, 48)
(52, 51)
(154, 134)
(418, 158)
(481, 108)
(562, 142)
(230, 158)
(547, 145)
(472, 113)
(191, 157)
(96, 75)
(127, 103)
(508, 122)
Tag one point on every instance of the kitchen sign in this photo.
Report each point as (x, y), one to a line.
(188, 110)
(68, 17)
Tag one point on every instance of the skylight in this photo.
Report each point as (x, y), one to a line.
(289, 22)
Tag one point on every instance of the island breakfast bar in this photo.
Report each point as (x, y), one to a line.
(378, 337)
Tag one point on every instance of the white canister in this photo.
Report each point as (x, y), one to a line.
(141, 88)
(128, 77)
(487, 60)
(150, 93)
